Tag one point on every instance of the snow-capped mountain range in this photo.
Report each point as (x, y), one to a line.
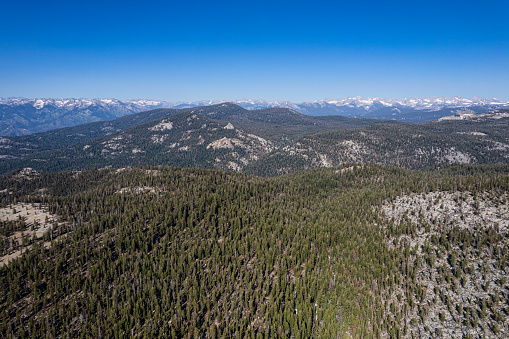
(20, 116)
(371, 104)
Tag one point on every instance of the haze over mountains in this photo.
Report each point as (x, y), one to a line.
(20, 116)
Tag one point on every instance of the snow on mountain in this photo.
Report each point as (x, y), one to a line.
(71, 103)
(20, 116)
(368, 104)
(364, 105)
(434, 103)
(23, 116)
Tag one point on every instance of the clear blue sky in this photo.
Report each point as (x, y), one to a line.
(180, 51)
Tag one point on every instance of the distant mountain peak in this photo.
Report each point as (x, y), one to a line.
(20, 116)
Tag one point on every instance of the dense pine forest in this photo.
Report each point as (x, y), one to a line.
(193, 253)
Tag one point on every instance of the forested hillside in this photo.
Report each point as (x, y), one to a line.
(415, 146)
(79, 147)
(264, 142)
(22, 116)
(188, 253)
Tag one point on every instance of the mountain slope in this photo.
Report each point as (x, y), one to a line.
(186, 139)
(21, 146)
(403, 145)
(262, 142)
(276, 123)
(25, 116)
(20, 116)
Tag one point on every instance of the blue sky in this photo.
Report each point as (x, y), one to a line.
(272, 50)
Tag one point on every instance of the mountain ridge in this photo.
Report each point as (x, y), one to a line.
(270, 127)
(266, 142)
(21, 116)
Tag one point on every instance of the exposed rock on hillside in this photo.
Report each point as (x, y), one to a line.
(458, 245)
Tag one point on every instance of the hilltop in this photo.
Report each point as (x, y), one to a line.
(270, 141)
(21, 116)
